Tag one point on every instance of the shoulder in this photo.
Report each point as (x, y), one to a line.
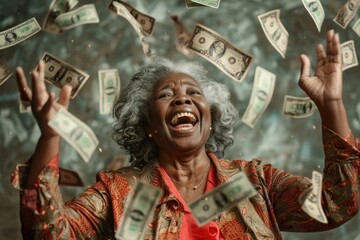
(124, 175)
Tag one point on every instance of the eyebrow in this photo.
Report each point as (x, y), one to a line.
(184, 81)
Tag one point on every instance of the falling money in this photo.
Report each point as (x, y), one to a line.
(316, 11)
(298, 107)
(222, 198)
(121, 10)
(312, 204)
(356, 27)
(275, 31)
(191, 4)
(56, 8)
(209, 3)
(75, 132)
(182, 38)
(349, 57)
(19, 33)
(60, 73)
(261, 95)
(109, 86)
(84, 15)
(138, 212)
(5, 71)
(213, 47)
(347, 13)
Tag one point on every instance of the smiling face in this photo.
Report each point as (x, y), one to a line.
(180, 116)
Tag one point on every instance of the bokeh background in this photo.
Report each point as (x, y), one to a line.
(291, 144)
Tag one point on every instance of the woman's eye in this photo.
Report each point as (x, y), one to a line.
(195, 92)
(165, 95)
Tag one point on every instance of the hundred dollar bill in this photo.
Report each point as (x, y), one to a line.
(275, 31)
(298, 107)
(316, 11)
(217, 50)
(5, 71)
(56, 8)
(60, 73)
(312, 204)
(147, 22)
(222, 198)
(356, 27)
(75, 132)
(109, 86)
(24, 106)
(182, 38)
(191, 4)
(349, 57)
(121, 10)
(261, 95)
(19, 33)
(209, 3)
(83, 15)
(347, 13)
(138, 212)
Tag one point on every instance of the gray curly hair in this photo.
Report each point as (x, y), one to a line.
(132, 110)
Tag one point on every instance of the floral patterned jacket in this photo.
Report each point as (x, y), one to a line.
(97, 212)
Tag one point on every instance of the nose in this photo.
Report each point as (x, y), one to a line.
(181, 100)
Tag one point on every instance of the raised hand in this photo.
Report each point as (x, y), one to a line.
(43, 104)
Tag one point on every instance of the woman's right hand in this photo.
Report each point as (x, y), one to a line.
(43, 105)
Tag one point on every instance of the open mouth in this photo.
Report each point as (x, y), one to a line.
(183, 120)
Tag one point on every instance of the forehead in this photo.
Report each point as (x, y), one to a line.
(173, 79)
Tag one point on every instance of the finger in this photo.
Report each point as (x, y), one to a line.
(305, 69)
(38, 84)
(329, 41)
(337, 48)
(65, 94)
(320, 54)
(47, 106)
(25, 92)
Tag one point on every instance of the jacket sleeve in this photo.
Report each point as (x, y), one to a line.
(44, 215)
(340, 187)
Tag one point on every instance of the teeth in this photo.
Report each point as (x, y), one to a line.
(175, 118)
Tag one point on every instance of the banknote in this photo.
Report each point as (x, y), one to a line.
(349, 57)
(275, 31)
(109, 87)
(147, 22)
(19, 33)
(137, 213)
(24, 106)
(5, 71)
(182, 38)
(60, 73)
(83, 15)
(316, 11)
(261, 95)
(220, 52)
(356, 27)
(298, 107)
(56, 8)
(347, 13)
(312, 204)
(121, 10)
(69, 178)
(191, 4)
(209, 3)
(75, 132)
(222, 198)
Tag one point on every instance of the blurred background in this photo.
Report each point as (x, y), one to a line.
(291, 144)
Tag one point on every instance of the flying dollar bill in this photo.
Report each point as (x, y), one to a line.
(217, 50)
(83, 15)
(349, 57)
(261, 95)
(121, 10)
(222, 198)
(274, 30)
(138, 212)
(209, 3)
(356, 27)
(347, 13)
(316, 11)
(75, 132)
(5, 71)
(19, 33)
(109, 87)
(60, 73)
(191, 4)
(56, 8)
(147, 22)
(182, 38)
(312, 204)
(298, 107)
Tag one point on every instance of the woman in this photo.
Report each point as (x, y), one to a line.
(176, 125)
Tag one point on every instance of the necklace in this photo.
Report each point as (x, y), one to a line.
(202, 179)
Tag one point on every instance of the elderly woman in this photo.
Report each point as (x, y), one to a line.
(176, 125)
